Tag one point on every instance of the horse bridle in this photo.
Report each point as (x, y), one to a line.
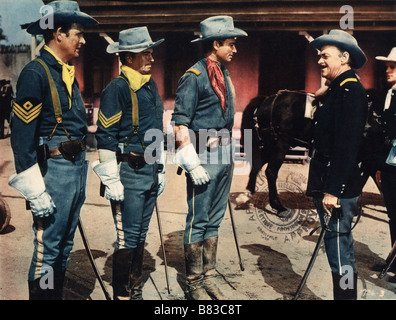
(271, 128)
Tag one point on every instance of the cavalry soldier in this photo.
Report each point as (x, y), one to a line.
(334, 179)
(48, 131)
(205, 101)
(130, 107)
(386, 109)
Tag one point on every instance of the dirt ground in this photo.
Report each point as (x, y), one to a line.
(275, 251)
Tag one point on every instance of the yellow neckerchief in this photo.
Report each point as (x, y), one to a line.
(136, 79)
(67, 73)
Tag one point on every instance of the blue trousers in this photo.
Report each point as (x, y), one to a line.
(65, 181)
(132, 216)
(207, 204)
(339, 241)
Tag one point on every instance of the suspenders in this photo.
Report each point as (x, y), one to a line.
(135, 116)
(55, 101)
(58, 110)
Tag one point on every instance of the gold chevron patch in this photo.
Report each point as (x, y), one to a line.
(107, 122)
(27, 112)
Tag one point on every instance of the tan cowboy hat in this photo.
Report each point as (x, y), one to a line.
(133, 40)
(63, 12)
(342, 40)
(219, 27)
(390, 57)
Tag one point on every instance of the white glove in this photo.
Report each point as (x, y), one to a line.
(187, 158)
(30, 184)
(161, 182)
(110, 177)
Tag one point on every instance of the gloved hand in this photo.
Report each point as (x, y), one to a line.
(161, 182)
(30, 184)
(110, 177)
(391, 159)
(187, 158)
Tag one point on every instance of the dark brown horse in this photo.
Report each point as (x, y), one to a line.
(278, 122)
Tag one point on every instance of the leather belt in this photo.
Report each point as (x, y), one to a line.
(212, 142)
(135, 160)
(68, 149)
(124, 157)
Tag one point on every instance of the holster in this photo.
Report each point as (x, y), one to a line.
(71, 149)
(135, 160)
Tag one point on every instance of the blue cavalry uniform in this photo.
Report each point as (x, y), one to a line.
(118, 132)
(204, 105)
(34, 126)
(115, 132)
(335, 168)
(197, 107)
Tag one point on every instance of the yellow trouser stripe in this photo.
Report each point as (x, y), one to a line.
(192, 220)
(40, 250)
(120, 228)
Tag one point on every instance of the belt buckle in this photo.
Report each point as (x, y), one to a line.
(213, 143)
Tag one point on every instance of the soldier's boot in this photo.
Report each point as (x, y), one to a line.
(36, 292)
(135, 275)
(209, 268)
(59, 280)
(194, 269)
(122, 260)
(344, 293)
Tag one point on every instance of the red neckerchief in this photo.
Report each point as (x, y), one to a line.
(217, 80)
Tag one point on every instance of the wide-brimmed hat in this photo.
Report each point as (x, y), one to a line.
(391, 57)
(219, 27)
(342, 40)
(63, 12)
(133, 40)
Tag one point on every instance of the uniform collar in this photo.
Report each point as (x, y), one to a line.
(49, 59)
(343, 76)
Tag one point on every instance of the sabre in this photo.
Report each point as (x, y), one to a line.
(162, 245)
(313, 258)
(235, 235)
(91, 259)
(389, 261)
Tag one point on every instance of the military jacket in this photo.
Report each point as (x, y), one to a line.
(197, 106)
(338, 132)
(115, 116)
(33, 112)
(388, 118)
